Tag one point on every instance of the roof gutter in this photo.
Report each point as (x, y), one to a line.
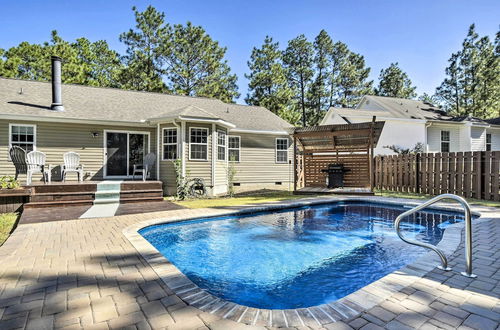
(141, 123)
(218, 121)
(251, 131)
(213, 121)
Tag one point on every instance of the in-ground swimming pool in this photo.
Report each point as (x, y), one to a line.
(297, 257)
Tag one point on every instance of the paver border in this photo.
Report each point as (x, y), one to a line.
(341, 309)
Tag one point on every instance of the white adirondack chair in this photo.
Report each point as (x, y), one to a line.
(36, 164)
(146, 166)
(18, 158)
(71, 164)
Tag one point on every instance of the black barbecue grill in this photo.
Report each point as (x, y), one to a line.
(335, 175)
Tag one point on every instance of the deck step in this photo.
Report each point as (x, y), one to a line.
(89, 193)
(59, 203)
(106, 201)
(141, 199)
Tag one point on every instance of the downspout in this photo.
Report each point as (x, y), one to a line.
(182, 155)
(226, 155)
(427, 125)
(158, 142)
(214, 154)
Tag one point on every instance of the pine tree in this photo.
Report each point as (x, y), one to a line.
(85, 62)
(298, 58)
(195, 65)
(102, 65)
(449, 93)
(472, 83)
(26, 61)
(348, 77)
(268, 86)
(145, 45)
(394, 82)
(318, 92)
(427, 98)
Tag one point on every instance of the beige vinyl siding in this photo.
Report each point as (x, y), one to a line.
(478, 139)
(54, 139)
(167, 171)
(257, 163)
(434, 138)
(199, 168)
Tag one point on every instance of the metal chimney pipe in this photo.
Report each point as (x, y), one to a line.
(56, 84)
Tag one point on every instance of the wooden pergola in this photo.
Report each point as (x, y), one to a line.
(352, 145)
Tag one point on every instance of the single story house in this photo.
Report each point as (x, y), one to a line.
(112, 129)
(408, 122)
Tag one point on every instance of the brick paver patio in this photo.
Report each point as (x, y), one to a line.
(86, 274)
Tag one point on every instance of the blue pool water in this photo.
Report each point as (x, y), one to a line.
(297, 257)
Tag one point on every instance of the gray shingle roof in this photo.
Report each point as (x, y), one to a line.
(110, 104)
(411, 109)
(494, 121)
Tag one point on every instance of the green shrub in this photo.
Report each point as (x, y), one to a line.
(181, 181)
(8, 182)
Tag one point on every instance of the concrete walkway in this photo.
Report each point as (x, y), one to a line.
(86, 274)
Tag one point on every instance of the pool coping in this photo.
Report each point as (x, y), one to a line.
(316, 316)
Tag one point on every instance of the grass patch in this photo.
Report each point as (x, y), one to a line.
(264, 196)
(241, 199)
(7, 223)
(421, 196)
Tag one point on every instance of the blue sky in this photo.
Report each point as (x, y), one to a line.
(420, 35)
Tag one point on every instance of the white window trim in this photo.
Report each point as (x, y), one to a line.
(105, 151)
(229, 148)
(446, 141)
(163, 144)
(276, 151)
(26, 125)
(219, 131)
(191, 143)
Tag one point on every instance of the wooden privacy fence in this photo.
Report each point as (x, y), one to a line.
(468, 174)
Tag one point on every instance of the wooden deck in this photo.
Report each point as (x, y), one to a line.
(83, 193)
(334, 191)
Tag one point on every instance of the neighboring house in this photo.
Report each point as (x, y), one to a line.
(408, 122)
(112, 129)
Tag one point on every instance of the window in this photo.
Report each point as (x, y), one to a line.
(23, 136)
(281, 150)
(221, 145)
(169, 143)
(234, 146)
(445, 141)
(488, 141)
(198, 143)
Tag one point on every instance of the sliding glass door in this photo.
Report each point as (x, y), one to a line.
(123, 150)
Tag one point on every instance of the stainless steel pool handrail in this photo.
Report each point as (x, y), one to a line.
(468, 232)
